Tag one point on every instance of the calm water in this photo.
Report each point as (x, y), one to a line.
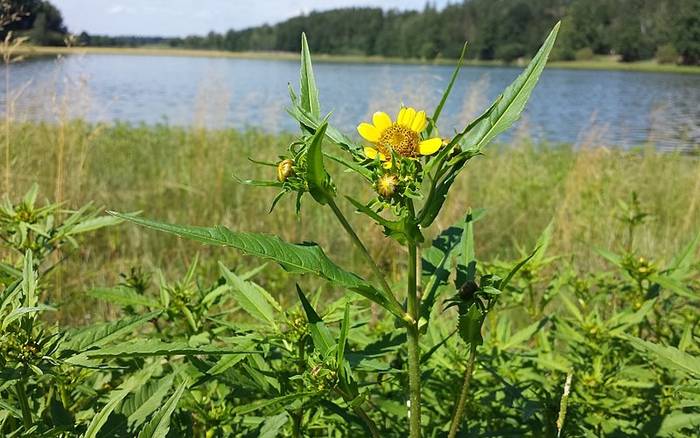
(584, 107)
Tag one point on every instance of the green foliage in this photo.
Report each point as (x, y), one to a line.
(523, 346)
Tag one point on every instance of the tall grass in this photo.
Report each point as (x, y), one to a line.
(156, 168)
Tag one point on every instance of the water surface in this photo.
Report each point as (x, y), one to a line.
(611, 108)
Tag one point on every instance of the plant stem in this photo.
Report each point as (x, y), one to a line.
(24, 404)
(363, 250)
(413, 346)
(459, 409)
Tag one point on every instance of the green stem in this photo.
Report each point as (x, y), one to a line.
(461, 404)
(413, 346)
(24, 404)
(363, 250)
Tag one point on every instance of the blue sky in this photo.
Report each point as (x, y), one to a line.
(185, 17)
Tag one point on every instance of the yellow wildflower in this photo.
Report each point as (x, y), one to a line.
(402, 136)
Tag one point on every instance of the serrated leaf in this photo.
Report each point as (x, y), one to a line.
(469, 326)
(115, 397)
(510, 104)
(147, 400)
(123, 296)
(159, 425)
(272, 426)
(154, 347)
(249, 298)
(300, 259)
(668, 356)
(101, 334)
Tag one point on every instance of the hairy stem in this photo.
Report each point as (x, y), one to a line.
(413, 346)
(24, 404)
(459, 409)
(363, 250)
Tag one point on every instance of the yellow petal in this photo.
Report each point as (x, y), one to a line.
(419, 122)
(369, 132)
(430, 146)
(400, 116)
(387, 164)
(370, 152)
(408, 117)
(381, 120)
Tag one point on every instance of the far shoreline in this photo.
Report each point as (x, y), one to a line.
(600, 63)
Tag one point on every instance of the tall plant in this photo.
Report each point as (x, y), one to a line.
(410, 169)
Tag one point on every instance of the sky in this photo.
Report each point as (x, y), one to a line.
(188, 17)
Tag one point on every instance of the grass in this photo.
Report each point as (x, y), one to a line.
(598, 63)
(186, 176)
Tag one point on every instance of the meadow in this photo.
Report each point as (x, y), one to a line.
(556, 293)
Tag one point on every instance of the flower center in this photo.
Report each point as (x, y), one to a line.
(400, 139)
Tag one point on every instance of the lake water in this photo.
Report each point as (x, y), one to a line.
(584, 107)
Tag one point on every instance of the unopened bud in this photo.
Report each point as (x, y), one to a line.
(285, 169)
(386, 185)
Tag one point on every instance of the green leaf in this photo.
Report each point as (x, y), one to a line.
(115, 397)
(101, 334)
(154, 347)
(29, 281)
(436, 261)
(250, 298)
(448, 90)
(93, 224)
(668, 356)
(124, 296)
(264, 403)
(510, 104)
(147, 400)
(676, 421)
(469, 326)
(320, 185)
(159, 425)
(309, 92)
(299, 259)
(321, 336)
(523, 335)
(504, 283)
(272, 426)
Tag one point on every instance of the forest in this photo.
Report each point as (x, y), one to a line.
(668, 30)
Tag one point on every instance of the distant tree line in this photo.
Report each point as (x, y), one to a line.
(668, 30)
(39, 20)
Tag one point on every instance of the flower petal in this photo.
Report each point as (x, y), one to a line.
(387, 164)
(408, 117)
(400, 116)
(368, 132)
(381, 120)
(419, 122)
(430, 146)
(370, 153)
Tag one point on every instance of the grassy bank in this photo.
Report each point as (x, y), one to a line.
(186, 176)
(598, 63)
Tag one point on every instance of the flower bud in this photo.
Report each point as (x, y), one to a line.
(386, 185)
(285, 169)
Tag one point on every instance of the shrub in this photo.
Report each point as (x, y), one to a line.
(584, 54)
(667, 54)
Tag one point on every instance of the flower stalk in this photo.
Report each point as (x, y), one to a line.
(462, 402)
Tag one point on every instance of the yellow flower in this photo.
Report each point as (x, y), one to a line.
(402, 136)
